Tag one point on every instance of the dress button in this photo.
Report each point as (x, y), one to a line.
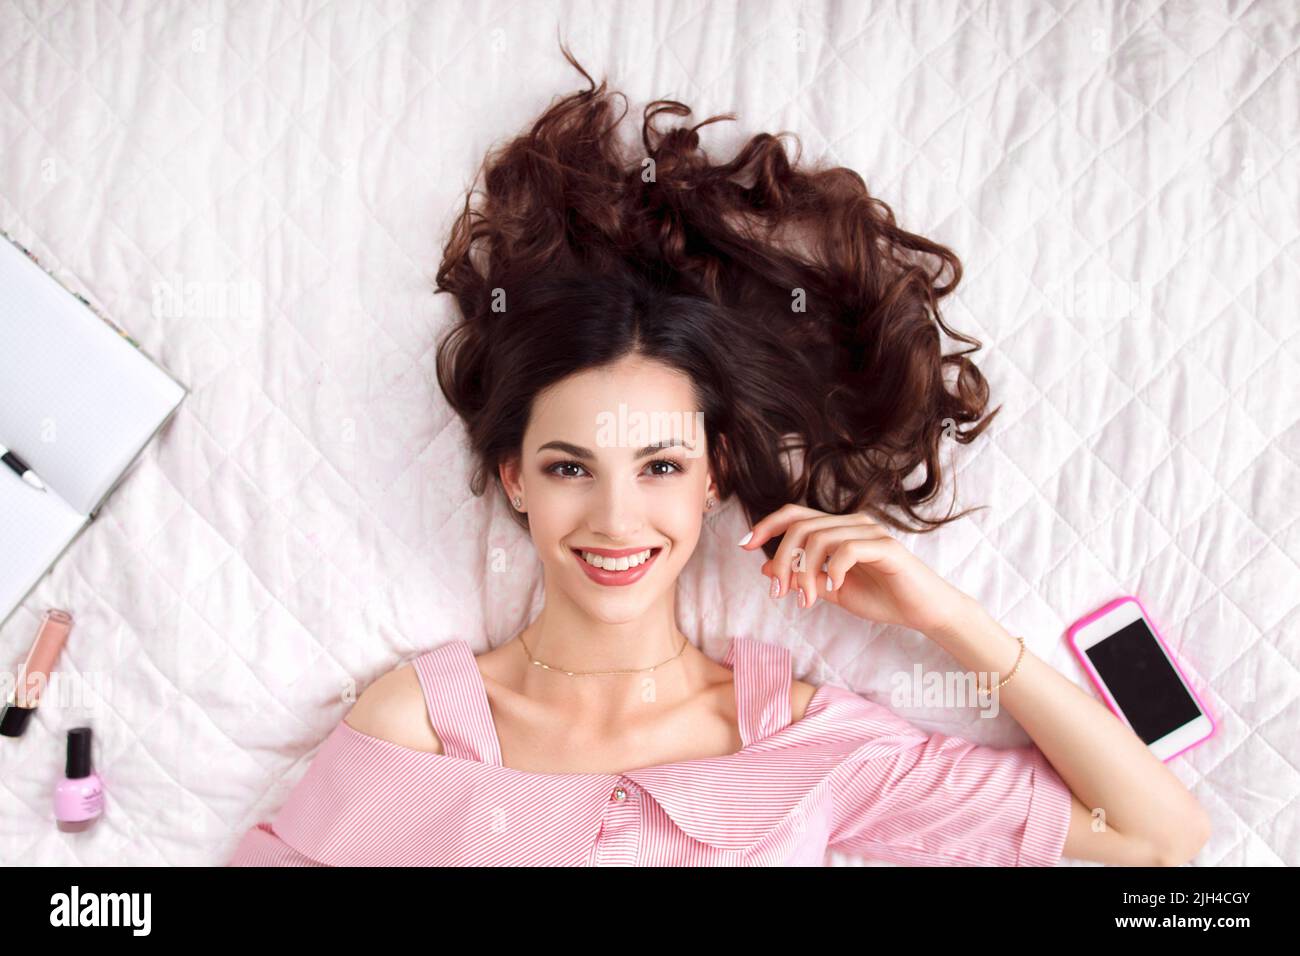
(619, 794)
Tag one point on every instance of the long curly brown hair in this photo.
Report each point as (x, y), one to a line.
(806, 318)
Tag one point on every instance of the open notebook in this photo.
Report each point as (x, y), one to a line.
(79, 401)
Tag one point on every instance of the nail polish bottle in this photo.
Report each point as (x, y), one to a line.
(79, 796)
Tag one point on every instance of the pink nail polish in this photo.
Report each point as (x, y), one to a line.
(79, 796)
(775, 589)
(803, 598)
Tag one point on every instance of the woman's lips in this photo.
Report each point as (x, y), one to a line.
(616, 578)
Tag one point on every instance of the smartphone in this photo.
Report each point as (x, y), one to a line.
(1125, 657)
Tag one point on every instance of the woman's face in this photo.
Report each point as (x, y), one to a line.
(589, 482)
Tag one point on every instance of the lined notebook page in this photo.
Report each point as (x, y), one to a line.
(34, 527)
(77, 401)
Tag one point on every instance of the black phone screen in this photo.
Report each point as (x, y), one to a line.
(1143, 682)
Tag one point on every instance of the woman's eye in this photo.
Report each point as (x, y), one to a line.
(665, 461)
(565, 464)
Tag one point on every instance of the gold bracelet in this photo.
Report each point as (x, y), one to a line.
(1019, 658)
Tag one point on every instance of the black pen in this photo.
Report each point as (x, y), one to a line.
(20, 468)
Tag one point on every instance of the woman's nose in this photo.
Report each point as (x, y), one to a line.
(617, 513)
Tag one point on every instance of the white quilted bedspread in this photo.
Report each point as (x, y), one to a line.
(259, 192)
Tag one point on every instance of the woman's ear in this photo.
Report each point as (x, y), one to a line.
(509, 470)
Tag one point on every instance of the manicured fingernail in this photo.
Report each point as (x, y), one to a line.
(830, 585)
(775, 590)
(746, 539)
(803, 598)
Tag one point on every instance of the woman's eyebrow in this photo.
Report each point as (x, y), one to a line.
(577, 451)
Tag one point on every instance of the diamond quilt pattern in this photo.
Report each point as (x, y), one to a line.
(258, 193)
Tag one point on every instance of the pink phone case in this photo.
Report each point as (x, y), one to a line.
(1100, 684)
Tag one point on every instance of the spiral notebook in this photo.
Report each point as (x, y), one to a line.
(79, 401)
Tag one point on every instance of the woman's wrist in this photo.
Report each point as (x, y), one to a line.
(977, 640)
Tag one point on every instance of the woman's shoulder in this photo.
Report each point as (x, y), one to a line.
(393, 708)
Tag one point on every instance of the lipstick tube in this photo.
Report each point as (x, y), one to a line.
(35, 674)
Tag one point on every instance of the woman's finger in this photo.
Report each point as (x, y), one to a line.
(883, 553)
(776, 523)
(821, 543)
(788, 562)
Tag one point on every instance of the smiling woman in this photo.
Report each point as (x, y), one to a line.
(594, 286)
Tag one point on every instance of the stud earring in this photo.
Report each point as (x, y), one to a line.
(517, 501)
(709, 503)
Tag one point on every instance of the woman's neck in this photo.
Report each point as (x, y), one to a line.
(570, 640)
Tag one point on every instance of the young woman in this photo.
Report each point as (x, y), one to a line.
(640, 340)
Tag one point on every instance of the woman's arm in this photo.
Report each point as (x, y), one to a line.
(1145, 816)
(1144, 813)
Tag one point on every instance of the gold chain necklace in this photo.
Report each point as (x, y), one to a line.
(560, 670)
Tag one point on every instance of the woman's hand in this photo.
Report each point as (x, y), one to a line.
(868, 572)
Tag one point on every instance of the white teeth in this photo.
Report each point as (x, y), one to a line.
(616, 564)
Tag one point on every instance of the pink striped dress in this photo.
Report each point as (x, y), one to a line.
(850, 776)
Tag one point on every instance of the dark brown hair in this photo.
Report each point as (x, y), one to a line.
(704, 267)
